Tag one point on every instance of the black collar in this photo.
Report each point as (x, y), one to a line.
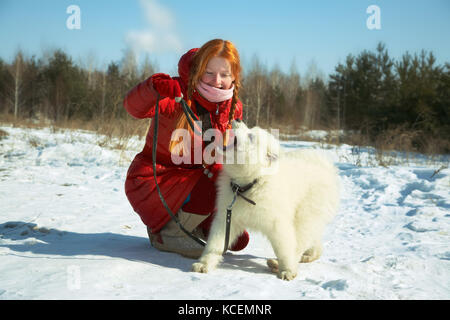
(239, 190)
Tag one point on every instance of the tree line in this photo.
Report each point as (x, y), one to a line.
(370, 93)
(56, 88)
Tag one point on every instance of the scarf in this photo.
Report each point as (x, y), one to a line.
(213, 94)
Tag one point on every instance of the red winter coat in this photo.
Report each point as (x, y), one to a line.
(176, 182)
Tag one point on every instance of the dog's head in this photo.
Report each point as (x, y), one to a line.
(251, 152)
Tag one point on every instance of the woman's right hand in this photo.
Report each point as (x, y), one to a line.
(166, 86)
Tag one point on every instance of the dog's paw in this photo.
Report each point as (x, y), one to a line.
(311, 254)
(199, 267)
(307, 258)
(287, 275)
(273, 265)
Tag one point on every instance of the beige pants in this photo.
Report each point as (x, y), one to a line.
(172, 239)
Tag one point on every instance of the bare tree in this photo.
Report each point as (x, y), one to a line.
(256, 86)
(293, 83)
(129, 65)
(89, 65)
(102, 103)
(16, 71)
(275, 78)
(311, 105)
(148, 68)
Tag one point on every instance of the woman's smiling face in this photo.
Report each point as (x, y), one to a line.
(218, 73)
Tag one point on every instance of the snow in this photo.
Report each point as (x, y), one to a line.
(67, 230)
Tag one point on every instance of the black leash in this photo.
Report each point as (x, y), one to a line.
(237, 191)
(155, 143)
(189, 115)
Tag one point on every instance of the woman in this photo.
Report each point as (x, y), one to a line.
(209, 80)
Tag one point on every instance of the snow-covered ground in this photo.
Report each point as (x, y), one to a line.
(68, 232)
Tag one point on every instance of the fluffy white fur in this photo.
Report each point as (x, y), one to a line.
(296, 195)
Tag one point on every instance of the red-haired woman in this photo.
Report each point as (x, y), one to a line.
(209, 80)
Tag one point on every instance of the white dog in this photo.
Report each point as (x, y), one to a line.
(296, 195)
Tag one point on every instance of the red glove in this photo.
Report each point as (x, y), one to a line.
(166, 86)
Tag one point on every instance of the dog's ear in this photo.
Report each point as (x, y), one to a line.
(271, 164)
(273, 150)
(251, 137)
(272, 156)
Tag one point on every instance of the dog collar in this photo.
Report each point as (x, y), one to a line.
(239, 190)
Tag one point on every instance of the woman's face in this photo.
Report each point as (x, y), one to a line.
(218, 73)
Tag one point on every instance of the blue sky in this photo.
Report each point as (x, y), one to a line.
(310, 32)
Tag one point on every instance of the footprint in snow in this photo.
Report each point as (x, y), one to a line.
(339, 285)
(13, 229)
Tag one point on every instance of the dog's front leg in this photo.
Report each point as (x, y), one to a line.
(212, 254)
(208, 261)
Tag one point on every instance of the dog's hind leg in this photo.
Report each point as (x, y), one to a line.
(309, 255)
(282, 238)
(273, 265)
(312, 254)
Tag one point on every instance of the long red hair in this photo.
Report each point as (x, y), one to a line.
(213, 48)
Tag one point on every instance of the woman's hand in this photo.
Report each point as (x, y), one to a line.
(166, 86)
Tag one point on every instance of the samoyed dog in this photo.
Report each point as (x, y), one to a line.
(294, 194)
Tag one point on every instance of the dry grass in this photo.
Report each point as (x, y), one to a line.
(395, 146)
(400, 146)
(391, 147)
(113, 133)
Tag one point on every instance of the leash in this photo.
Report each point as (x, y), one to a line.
(237, 191)
(189, 114)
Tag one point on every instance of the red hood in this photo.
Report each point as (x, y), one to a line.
(184, 65)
